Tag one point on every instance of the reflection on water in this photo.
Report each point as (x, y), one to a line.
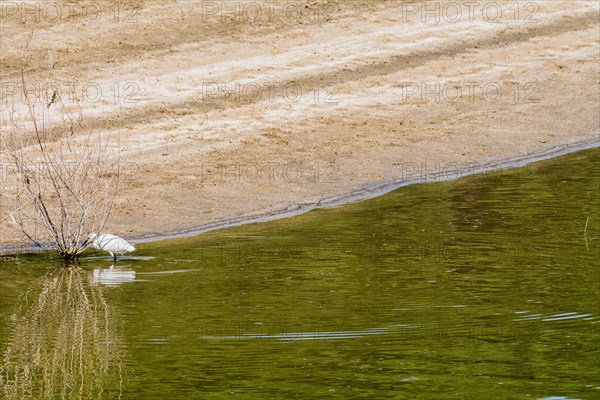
(65, 342)
(112, 276)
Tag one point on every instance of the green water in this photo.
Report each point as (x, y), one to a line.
(481, 288)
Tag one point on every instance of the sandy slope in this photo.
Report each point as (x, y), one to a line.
(351, 94)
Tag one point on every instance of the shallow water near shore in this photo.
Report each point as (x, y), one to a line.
(481, 287)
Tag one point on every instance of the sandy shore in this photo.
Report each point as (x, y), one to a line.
(223, 119)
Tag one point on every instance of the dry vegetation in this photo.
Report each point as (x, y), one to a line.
(65, 177)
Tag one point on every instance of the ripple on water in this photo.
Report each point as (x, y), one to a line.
(558, 317)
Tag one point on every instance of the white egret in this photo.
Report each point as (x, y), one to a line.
(110, 243)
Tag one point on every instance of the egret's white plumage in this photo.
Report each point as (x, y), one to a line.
(110, 243)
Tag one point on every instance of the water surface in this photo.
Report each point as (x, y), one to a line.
(484, 287)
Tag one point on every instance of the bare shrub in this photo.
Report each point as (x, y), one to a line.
(66, 177)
